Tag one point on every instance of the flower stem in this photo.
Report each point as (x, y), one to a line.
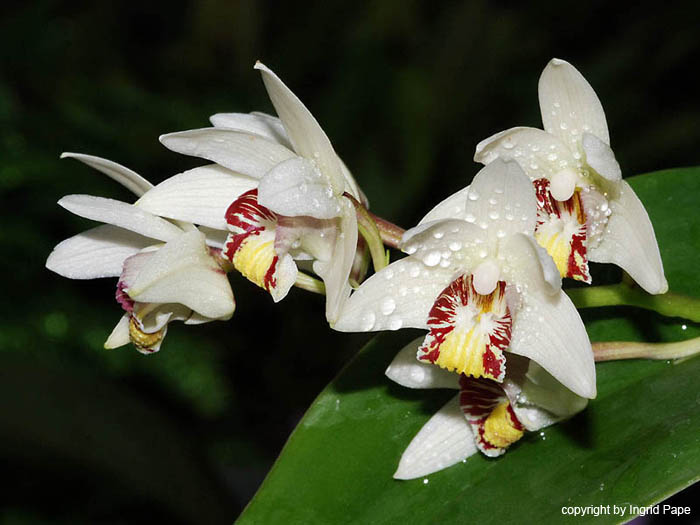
(630, 350)
(367, 227)
(668, 304)
(310, 284)
(390, 233)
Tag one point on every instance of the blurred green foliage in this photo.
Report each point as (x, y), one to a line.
(404, 90)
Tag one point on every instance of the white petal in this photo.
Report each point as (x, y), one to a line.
(124, 176)
(306, 134)
(261, 124)
(407, 371)
(450, 208)
(629, 242)
(183, 272)
(400, 295)
(215, 237)
(120, 334)
(569, 105)
(336, 271)
(548, 330)
(528, 265)
(200, 195)
(539, 154)
(95, 253)
(297, 187)
(286, 277)
(120, 214)
(601, 158)
(501, 201)
(539, 400)
(444, 440)
(451, 244)
(241, 152)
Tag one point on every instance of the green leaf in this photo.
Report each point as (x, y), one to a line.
(637, 443)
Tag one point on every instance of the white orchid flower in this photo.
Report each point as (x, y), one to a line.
(482, 286)
(166, 271)
(586, 211)
(484, 416)
(277, 188)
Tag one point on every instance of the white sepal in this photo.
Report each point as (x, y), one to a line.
(200, 195)
(244, 153)
(538, 399)
(297, 187)
(398, 296)
(183, 272)
(120, 334)
(501, 200)
(601, 158)
(95, 253)
(120, 214)
(261, 124)
(630, 242)
(569, 105)
(123, 175)
(336, 271)
(446, 439)
(304, 131)
(548, 329)
(407, 371)
(528, 265)
(540, 154)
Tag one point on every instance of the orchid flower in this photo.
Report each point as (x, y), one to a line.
(484, 416)
(585, 210)
(166, 271)
(278, 188)
(477, 280)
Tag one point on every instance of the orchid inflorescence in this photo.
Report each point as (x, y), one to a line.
(482, 273)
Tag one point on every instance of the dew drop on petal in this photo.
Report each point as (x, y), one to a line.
(388, 306)
(368, 320)
(432, 258)
(395, 323)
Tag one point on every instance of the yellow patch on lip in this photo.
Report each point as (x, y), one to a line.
(499, 428)
(558, 246)
(255, 257)
(462, 351)
(141, 339)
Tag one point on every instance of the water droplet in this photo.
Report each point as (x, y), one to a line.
(388, 274)
(455, 246)
(493, 201)
(469, 218)
(395, 323)
(431, 258)
(368, 321)
(493, 215)
(438, 234)
(414, 270)
(473, 196)
(425, 481)
(684, 327)
(411, 249)
(388, 306)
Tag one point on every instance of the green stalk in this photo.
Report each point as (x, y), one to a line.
(631, 350)
(669, 304)
(310, 284)
(367, 227)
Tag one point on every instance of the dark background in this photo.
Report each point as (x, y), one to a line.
(404, 89)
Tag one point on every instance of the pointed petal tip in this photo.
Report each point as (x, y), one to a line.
(555, 62)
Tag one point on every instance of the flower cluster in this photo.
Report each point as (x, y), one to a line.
(482, 273)
(483, 276)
